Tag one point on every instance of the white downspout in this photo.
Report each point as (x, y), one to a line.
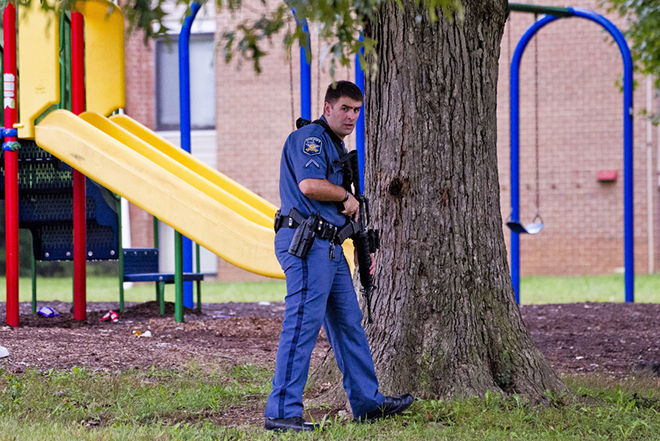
(649, 170)
(658, 152)
(125, 223)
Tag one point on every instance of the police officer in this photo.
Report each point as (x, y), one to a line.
(319, 285)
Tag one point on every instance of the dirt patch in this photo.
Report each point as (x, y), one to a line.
(615, 338)
(579, 337)
(238, 333)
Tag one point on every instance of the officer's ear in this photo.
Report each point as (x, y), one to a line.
(326, 108)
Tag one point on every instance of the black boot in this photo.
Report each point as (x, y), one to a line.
(391, 406)
(297, 424)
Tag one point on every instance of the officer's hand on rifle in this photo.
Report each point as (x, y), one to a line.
(351, 207)
(372, 267)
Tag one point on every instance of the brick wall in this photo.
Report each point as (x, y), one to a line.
(580, 132)
(140, 105)
(255, 116)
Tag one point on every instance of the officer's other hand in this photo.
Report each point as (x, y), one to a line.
(372, 267)
(351, 207)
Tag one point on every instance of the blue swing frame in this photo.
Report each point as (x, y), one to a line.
(552, 15)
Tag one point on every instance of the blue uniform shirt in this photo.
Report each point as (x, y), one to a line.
(310, 154)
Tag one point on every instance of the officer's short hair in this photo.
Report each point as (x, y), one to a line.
(343, 88)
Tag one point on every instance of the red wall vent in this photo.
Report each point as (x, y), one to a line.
(606, 175)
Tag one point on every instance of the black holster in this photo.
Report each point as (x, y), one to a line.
(303, 238)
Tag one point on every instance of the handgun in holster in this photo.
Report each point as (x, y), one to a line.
(303, 238)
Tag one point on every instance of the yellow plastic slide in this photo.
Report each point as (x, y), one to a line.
(194, 164)
(196, 180)
(159, 191)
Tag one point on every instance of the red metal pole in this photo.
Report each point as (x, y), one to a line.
(79, 196)
(10, 146)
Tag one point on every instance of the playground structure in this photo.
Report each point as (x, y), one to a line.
(552, 14)
(103, 67)
(118, 153)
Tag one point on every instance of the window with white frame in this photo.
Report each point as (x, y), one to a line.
(202, 83)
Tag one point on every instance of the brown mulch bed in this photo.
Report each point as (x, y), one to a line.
(614, 338)
(611, 338)
(234, 332)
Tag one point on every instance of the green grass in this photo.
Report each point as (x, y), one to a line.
(606, 288)
(106, 289)
(203, 404)
(534, 290)
(131, 405)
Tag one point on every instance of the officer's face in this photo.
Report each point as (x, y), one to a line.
(342, 116)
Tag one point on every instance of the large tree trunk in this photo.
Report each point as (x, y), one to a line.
(445, 319)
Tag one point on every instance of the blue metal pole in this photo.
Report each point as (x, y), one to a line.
(628, 189)
(184, 106)
(629, 253)
(359, 128)
(305, 70)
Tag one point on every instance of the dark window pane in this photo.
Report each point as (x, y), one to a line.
(202, 83)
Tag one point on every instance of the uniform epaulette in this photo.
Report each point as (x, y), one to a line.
(309, 127)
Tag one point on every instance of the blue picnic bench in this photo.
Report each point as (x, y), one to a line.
(141, 265)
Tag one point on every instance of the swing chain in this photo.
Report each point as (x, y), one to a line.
(319, 104)
(537, 224)
(293, 109)
(536, 121)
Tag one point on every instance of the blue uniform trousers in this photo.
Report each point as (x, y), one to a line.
(320, 292)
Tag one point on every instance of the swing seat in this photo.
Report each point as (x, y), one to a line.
(516, 227)
(533, 228)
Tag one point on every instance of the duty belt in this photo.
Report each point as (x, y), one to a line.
(325, 230)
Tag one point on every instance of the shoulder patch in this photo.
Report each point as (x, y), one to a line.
(312, 146)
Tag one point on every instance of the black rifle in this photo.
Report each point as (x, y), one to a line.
(366, 241)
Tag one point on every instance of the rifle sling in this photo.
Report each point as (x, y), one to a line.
(335, 139)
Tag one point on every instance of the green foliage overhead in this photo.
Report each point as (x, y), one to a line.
(339, 23)
(643, 17)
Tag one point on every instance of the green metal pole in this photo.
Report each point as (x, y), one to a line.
(537, 9)
(120, 257)
(155, 232)
(63, 64)
(155, 225)
(34, 281)
(161, 296)
(199, 282)
(178, 277)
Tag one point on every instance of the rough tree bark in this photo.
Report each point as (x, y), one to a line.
(445, 319)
